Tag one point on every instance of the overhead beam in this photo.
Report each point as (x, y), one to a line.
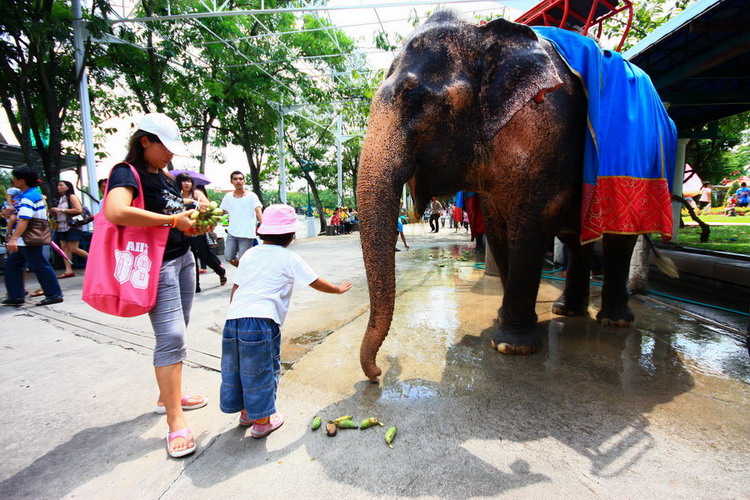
(706, 98)
(734, 47)
(317, 8)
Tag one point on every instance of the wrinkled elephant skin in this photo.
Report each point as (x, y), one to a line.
(491, 109)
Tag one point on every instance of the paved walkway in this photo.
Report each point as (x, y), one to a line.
(661, 409)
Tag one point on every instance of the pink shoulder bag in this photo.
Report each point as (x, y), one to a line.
(122, 270)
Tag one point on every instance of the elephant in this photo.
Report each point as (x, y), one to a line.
(493, 109)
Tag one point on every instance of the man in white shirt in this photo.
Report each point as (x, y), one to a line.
(245, 212)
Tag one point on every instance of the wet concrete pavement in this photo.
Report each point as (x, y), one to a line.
(661, 409)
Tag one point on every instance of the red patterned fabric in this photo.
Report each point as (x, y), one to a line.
(476, 220)
(626, 205)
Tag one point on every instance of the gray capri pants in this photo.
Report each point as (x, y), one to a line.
(235, 248)
(171, 314)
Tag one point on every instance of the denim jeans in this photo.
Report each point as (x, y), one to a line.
(171, 314)
(250, 366)
(37, 264)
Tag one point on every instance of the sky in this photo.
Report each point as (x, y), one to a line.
(361, 24)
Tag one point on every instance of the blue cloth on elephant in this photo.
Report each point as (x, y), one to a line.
(630, 143)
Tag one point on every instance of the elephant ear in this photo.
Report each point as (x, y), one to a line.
(516, 69)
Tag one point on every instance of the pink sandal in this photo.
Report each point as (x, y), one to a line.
(161, 410)
(184, 434)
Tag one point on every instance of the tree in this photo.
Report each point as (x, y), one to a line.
(648, 15)
(712, 159)
(38, 77)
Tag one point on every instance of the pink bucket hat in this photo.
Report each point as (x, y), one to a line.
(279, 219)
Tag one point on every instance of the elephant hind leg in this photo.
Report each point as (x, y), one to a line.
(618, 250)
(574, 301)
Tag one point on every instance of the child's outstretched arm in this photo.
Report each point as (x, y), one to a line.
(325, 286)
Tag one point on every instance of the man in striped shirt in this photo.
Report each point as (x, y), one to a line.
(20, 256)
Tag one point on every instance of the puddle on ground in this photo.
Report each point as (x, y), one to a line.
(447, 303)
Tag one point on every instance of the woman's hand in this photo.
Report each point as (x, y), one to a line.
(183, 222)
(54, 210)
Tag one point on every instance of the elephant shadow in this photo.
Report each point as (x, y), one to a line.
(587, 393)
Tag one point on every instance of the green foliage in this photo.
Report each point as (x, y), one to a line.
(215, 195)
(648, 15)
(38, 78)
(709, 157)
(5, 177)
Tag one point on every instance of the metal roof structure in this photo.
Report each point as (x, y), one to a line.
(699, 62)
(12, 157)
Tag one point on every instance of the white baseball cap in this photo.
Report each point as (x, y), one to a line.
(166, 130)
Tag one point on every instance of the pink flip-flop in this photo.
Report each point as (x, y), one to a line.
(184, 434)
(185, 406)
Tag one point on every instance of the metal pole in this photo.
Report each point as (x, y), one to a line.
(83, 96)
(678, 179)
(282, 167)
(338, 161)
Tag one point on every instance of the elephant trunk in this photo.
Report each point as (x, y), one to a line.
(381, 176)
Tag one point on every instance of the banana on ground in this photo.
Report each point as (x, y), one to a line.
(390, 435)
(370, 422)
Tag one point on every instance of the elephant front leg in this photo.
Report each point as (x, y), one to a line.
(574, 300)
(618, 250)
(515, 333)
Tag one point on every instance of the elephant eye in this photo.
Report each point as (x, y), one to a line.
(415, 98)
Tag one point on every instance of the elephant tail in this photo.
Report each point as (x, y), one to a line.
(666, 265)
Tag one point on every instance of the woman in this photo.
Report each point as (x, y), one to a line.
(151, 149)
(194, 198)
(68, 206)
(705, 200)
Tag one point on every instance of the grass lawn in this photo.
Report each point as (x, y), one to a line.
(734, 239)
(719, 219)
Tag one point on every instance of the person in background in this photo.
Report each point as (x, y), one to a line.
(69, 237)
(195, 198)
(346, 225)
(245, 212)
(31, 206)
(730, 208)
(743, 195)
(150, 150)
(102, 185)
(400, 225)
(336, 222)
(458, 217)
(251, 341)
(705, 199)
(435, 208)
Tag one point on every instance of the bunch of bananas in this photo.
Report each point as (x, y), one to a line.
(347, 422)
(207, 217)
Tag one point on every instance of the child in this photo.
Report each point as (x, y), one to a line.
(250, 355)
(12, 202)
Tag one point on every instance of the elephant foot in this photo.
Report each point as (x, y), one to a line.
(619, 317)
(565, 307)
(515, 342)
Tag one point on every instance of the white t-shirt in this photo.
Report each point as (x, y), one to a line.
(265, 277)
(242, 218)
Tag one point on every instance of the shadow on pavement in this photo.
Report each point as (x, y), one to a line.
(79, 460)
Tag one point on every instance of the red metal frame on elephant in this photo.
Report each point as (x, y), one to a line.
(584, 14)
